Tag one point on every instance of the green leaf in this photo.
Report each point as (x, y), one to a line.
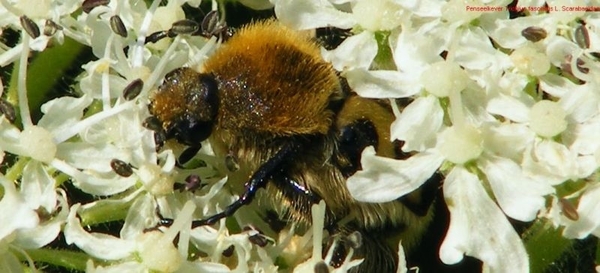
(545, 244)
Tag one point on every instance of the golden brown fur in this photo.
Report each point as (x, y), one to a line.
(266, 71)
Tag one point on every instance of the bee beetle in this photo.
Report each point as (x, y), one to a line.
(267, 98)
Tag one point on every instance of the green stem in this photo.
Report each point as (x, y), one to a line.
(104, 212)
(16, 170)
(64, 258)
(60, 179)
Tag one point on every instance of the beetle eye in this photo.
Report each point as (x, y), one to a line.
(191, 132)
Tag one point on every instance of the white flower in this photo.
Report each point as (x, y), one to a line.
(81, 136)
(516, 159)
(155, 249)
(311, 14)
(478, 228)
(31, 218)
(99, 245)
(344, 57)
(588, 211)
(545, 159)
(12, 204)
(384, 179)
(377, 15)
(38, 12)
(38, 188)
(418, 124)
(507, 32)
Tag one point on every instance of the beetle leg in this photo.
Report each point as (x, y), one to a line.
(258, 180)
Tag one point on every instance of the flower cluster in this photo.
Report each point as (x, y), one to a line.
(506, 105)
(101, 143)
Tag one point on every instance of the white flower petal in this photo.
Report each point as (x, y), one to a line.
(475, 51)
(384, 179)
(586, 165)
(512, 84)
(141, 211)
(559, 50)
(402, 266)
(556, 85)
(549, 161)
(92, 184)
(10, 136)
(519, 196)
(380, 83)
(509, 107)
(417, 48)
(532, 3)
(14, 210)
(583, 138)
(555, 213)
(95, 21)
(418, 124)
(460, 12)
(507, 32)
(163, 18)
(581, 102)
(63, 112)
(507, 140)
(93, 80)
(377, 15)
(92, 157)
(357, 51)
(39, 43)
(155, 181)
(310, 14)
(589, 215)
(92, 120)
(37, 186)
(46, 232)
(426, 8)
(478, 228)
(99, 245)
(33, 9)
(206, 238)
